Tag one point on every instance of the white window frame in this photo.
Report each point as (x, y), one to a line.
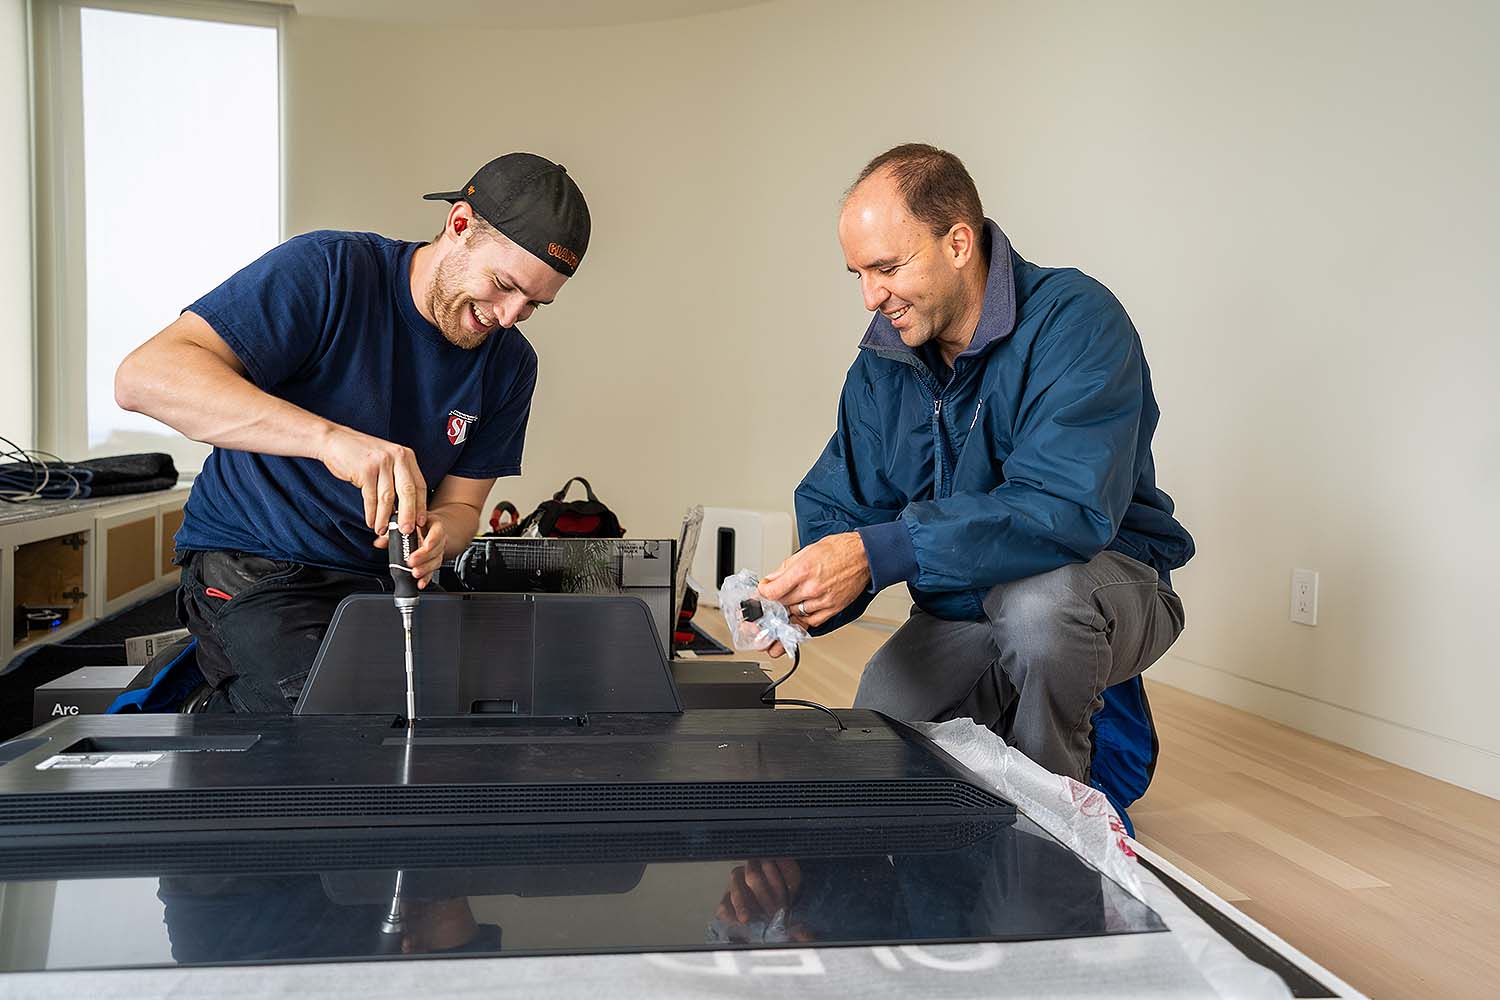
(61, 390)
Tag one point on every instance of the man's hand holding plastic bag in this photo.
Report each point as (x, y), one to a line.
(756, 622)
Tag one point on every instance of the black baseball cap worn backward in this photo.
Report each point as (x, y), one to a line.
(534, 203)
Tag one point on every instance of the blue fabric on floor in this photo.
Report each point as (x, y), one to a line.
(167, 690)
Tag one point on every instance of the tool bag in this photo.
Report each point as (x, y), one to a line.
(498, 527)
(559, 518)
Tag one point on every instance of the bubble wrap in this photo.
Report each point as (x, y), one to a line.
(1077, 815)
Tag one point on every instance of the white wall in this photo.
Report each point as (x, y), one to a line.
(1299, 207)
(15, 227)
(1296, 204)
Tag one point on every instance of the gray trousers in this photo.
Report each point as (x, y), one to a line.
(1035, 668)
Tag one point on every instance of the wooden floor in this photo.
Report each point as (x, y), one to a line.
(1389, 878)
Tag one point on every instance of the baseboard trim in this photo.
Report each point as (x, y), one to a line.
(1462, 764)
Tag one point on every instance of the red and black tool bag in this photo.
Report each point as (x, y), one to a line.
(559, 518)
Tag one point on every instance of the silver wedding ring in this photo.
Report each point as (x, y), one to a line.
(802, 608)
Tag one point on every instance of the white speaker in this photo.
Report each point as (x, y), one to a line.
(732, 539)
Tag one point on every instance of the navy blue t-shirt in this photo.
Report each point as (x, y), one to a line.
(327, 321)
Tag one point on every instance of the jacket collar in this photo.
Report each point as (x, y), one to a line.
(996, 320)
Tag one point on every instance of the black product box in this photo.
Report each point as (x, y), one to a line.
(719, 683)
(86, 691)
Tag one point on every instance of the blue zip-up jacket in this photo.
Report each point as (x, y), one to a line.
(1036, 453)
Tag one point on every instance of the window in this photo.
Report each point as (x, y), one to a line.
(161, 168)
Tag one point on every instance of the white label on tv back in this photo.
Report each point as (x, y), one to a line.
(99, 760)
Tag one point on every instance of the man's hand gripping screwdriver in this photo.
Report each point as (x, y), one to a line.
(400, 546)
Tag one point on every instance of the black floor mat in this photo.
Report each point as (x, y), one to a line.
(155, 614)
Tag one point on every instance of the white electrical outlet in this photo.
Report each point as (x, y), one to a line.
(1304, 597)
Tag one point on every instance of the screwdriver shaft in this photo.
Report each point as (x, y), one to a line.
(411, 687)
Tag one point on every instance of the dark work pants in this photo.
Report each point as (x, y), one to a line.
(1034, 669)
(257, 644)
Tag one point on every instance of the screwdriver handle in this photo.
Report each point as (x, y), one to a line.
(400, 547)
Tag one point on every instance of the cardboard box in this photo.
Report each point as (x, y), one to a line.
(141, 648)
(86, 691)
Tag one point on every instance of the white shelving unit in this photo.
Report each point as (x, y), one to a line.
(92, 556)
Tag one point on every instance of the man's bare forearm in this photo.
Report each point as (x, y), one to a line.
(188, 378)
(461, 522)
(206, 396)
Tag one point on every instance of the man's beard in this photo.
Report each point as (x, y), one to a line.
(447, 302)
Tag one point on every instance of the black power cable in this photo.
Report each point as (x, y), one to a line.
(768, 696)
(753, 611)
(40, 466)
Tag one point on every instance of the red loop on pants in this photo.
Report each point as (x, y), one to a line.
(216, 592)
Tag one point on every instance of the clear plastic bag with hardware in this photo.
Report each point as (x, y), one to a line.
(754, 622)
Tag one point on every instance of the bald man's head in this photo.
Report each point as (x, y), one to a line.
(934, 184)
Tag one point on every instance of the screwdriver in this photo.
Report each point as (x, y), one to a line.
(400, 546)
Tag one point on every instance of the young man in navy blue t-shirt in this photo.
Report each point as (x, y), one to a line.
(343, 378)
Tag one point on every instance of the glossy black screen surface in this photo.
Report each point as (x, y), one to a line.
(327, 895)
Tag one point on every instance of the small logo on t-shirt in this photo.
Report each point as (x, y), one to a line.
(458, 426)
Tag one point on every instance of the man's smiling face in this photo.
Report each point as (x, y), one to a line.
(903, 270)
(485, 283)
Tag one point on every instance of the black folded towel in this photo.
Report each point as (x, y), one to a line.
(114, 475)
(119, 474)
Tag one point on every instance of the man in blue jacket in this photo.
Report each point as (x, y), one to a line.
(993, 452)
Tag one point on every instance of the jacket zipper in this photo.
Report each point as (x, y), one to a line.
(940, 485)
